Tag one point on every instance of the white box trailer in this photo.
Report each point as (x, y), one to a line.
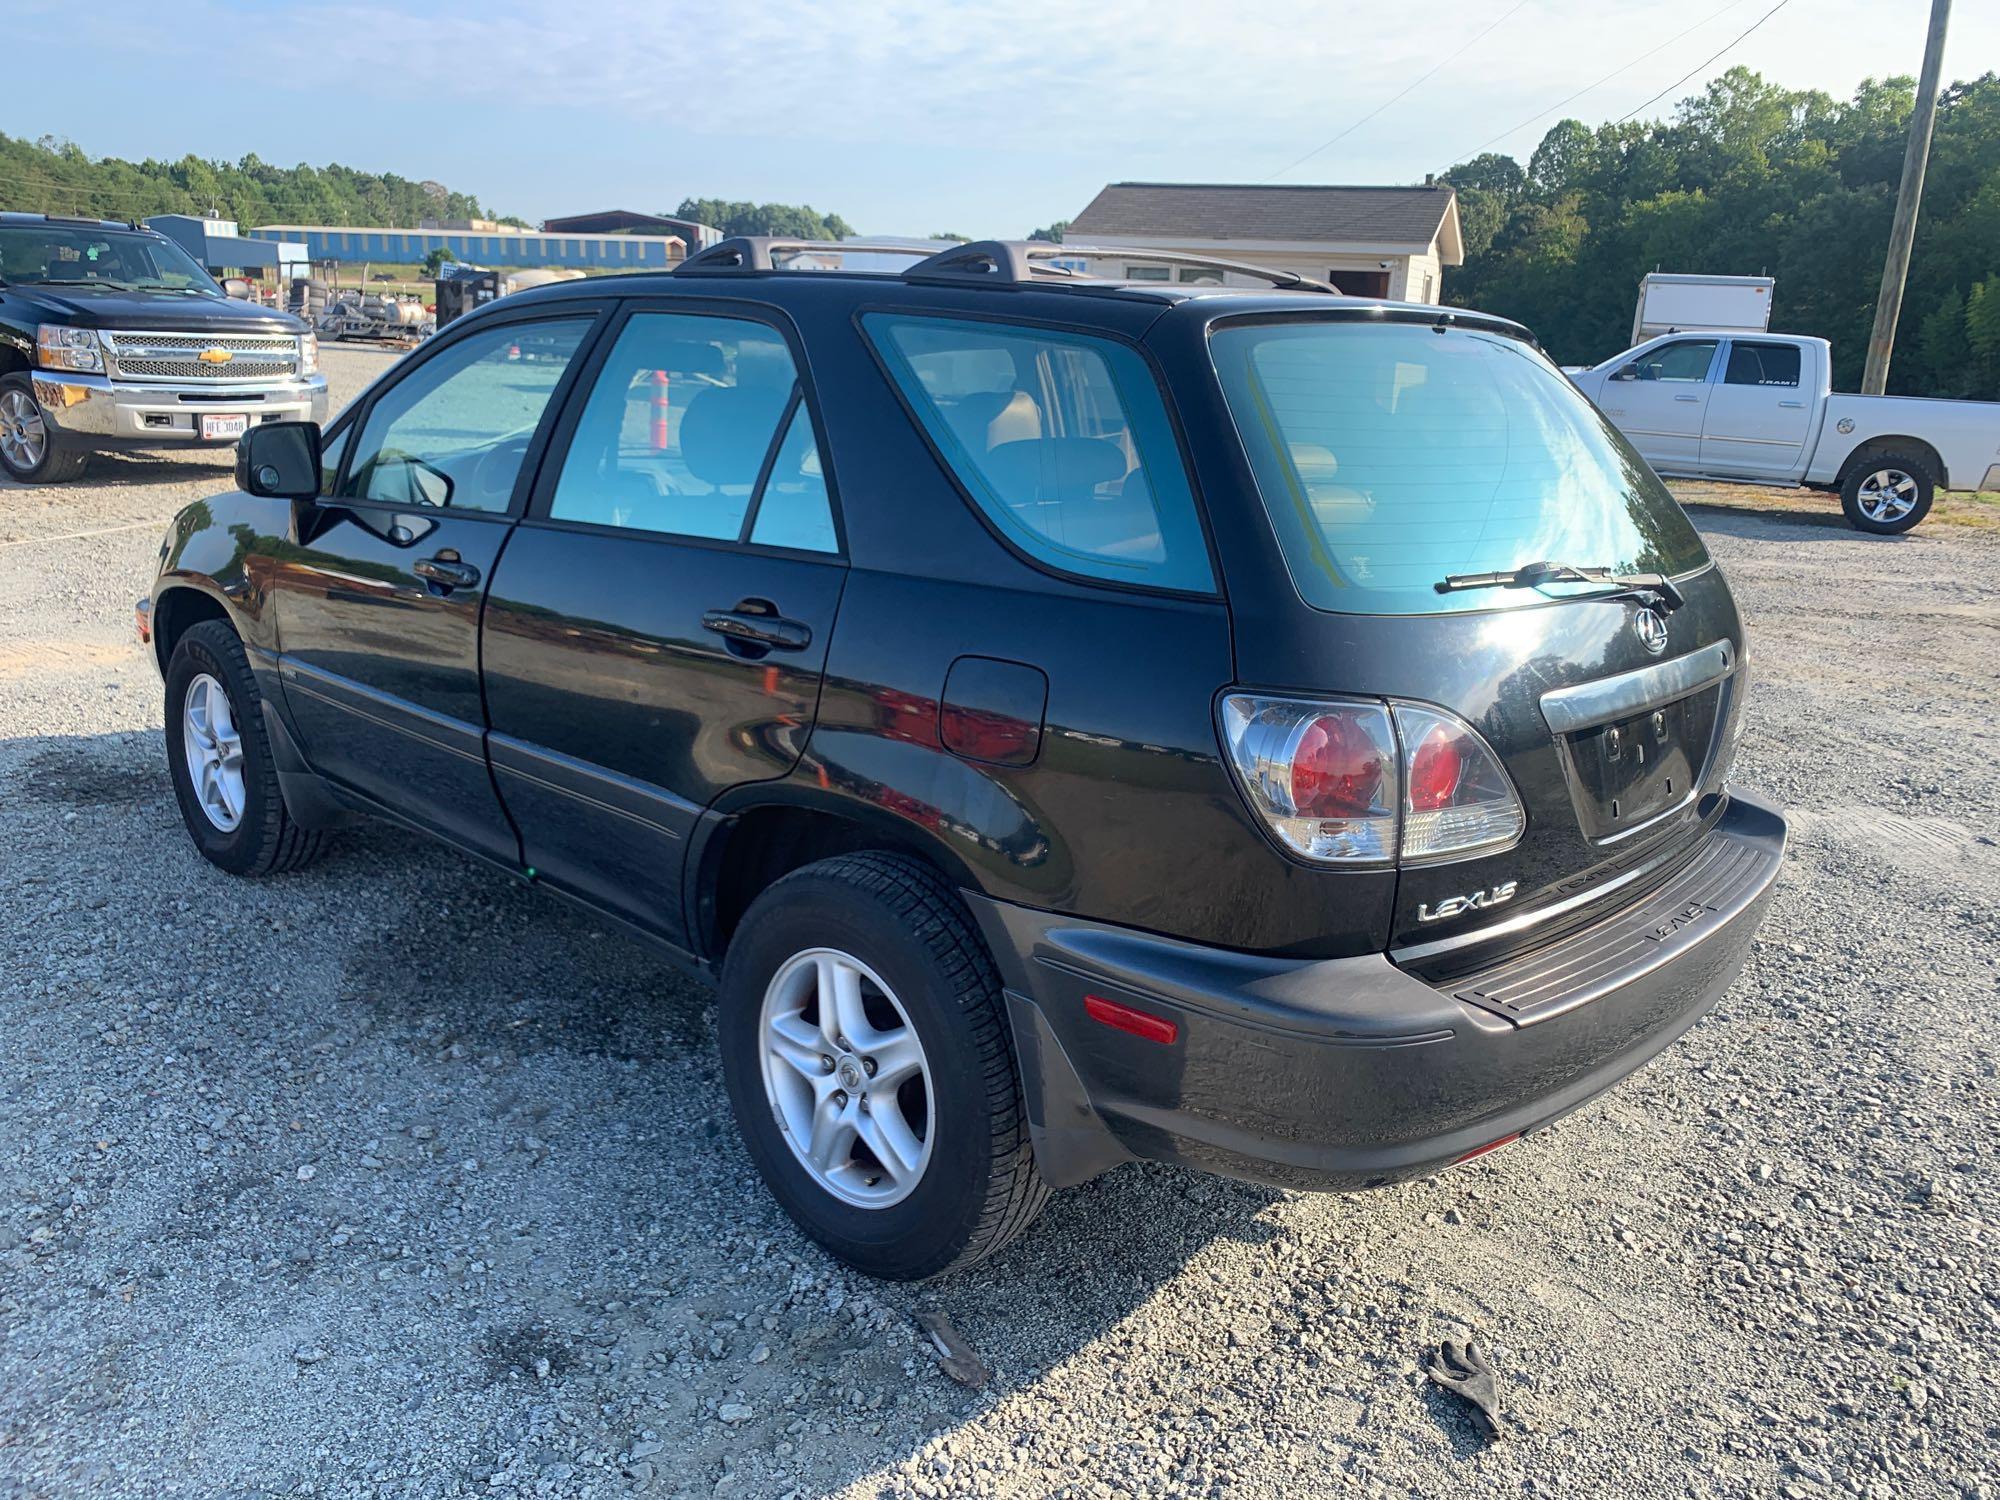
(1669, 303)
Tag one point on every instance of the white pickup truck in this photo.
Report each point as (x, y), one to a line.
(1761, 408)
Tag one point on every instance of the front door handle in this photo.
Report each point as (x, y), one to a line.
(446, 571)
(1795, 405)
(1687, 398)
(754, 628)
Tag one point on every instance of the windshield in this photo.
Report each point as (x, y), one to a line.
(1392, 454)
(58, 255)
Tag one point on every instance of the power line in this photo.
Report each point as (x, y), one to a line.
(1392, 99)
(1624, 68)
(1692, 71)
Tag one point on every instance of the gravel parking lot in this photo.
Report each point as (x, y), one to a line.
(391, 1178)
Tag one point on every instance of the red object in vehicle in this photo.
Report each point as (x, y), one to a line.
(660, 411)
(1337, 769)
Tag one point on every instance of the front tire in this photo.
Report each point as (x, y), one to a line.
(865, 1048)
(219, 755)
(1887, 494)
(29, 450)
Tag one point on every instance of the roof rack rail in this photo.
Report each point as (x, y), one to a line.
(980, 262)
(755, 252)
(1013, 262)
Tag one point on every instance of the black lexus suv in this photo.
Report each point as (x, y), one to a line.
(1072, 721)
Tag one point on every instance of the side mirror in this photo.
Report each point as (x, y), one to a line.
(279, 460)
(1630, 372)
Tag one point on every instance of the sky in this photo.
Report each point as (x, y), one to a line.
(904, 116)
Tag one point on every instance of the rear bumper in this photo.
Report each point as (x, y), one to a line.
(1351, 1073)
(91, 411)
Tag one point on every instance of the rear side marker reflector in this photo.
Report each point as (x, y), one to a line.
(1505, 1140)
(1125, 1018)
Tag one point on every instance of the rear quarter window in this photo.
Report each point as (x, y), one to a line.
(1061, 440)
(1390, 455)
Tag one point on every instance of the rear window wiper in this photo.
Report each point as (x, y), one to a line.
(1655, 587)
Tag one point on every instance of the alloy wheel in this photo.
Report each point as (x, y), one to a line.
(846, 1078)
(214, 752)
(1887, 495)
(24, 438)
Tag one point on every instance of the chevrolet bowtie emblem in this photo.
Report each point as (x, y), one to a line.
(215, 356)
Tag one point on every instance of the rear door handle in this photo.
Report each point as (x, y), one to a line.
(1793, 404)
(1687, 398)
(754, 628)
(446, 571)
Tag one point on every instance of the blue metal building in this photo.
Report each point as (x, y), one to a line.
(484, 247)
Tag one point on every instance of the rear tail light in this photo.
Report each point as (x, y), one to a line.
(1369, 783)
(1322, 775)
(1456, 799)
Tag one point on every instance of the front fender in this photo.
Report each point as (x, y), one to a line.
(226, 547)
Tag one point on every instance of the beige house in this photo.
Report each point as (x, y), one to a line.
(1371, 241)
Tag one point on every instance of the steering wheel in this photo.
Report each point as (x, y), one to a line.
(495, 471)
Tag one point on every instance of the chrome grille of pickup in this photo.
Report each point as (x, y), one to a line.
(178, 356)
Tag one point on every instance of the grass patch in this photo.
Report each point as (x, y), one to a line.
(1978, 511)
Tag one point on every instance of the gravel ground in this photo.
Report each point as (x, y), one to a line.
(339, 1184)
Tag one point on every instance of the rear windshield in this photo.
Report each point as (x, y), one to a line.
(1392, 454)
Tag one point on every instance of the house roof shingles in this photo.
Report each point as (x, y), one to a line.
(1239, 211)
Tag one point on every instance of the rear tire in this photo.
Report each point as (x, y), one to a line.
(29, 450)
(1887, 493)
(902, 928)
(219, 754)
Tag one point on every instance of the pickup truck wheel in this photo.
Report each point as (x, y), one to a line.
(28, 448)
(220, 757)
(1887, 493)
(865, 1048)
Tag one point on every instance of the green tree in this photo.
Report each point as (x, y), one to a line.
(51, 175)
(1747, 177)
(782, 220)
(1050, 234)
(437, 260)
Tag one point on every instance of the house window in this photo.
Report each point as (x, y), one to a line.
(1200, 276)
(1148, 273)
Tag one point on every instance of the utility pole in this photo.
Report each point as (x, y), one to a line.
(1889, 307)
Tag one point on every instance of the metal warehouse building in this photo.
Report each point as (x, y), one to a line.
(494, 246)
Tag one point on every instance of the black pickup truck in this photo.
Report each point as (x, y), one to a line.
(111, 336)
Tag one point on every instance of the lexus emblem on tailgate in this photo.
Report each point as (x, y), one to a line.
(1458, 906)
(1651, 630)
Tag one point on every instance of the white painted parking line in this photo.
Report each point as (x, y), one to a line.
(73, 536)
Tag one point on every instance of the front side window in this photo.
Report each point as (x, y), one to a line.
(454, 431)
(329, 459)
(1683, 363)
(1389, 455)
(1148, 273)
(695, 427)
(1062, 441)
(1762, 364)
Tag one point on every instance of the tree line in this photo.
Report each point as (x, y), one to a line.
(56, 177)
(1752, 179)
